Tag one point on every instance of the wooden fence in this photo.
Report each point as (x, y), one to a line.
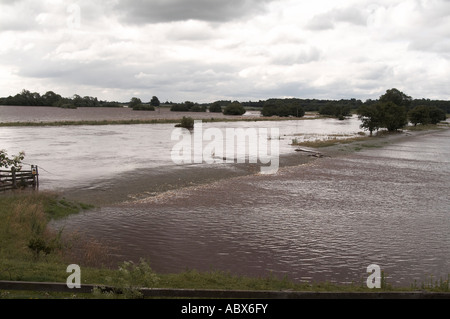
(15, 179)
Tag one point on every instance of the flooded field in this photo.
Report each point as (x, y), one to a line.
(326, 220)
(84, 156)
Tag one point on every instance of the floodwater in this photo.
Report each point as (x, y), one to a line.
(324, 221)
(82, 156)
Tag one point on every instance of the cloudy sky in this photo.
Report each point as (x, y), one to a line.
(206, 50)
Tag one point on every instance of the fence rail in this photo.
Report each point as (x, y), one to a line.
(225, 294)
(15, 179)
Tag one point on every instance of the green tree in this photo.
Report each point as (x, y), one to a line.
(135, 102)
(234, 108)
(396, 97)
(370, 117)
(216, 107)
(14, 161)
(436, 115)
(51, 98)
(419, 115)
(155, 102)
(393, 116)
(186, 122)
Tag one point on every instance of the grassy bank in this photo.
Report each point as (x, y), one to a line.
(30, 251)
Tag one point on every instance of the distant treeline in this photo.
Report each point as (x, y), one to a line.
(27, 98)
(272, 107)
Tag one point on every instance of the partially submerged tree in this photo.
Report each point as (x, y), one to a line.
(393, 116)
(370, 118)
(390, 112)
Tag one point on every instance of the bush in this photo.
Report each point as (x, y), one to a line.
(186, 122)
(134, 102)
(129, 279)
(338, 111)
(282, 110)
(198, 108)
(179, 108)
(234, 108)
(215, 108)
(143, 107)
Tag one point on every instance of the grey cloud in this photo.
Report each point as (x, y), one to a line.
(329, 19)
(157, 11)
(298, 57)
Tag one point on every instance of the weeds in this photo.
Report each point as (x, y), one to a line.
(128, 280)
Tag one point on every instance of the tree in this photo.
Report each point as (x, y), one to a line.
(396, 97)
(234, 108)
(392, 116)
(335, 110)
(370, 117)
(15, 161)
(283, 110)
(51, 98)
(186, 122)
(419, 115)
(155, 102)
(436, 115)
(134, 102)
(216, 107)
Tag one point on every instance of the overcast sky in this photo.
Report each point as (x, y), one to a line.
(206, 50)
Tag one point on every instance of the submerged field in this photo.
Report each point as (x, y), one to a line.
(315, 225)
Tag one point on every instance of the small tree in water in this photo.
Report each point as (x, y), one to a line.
(186, 122)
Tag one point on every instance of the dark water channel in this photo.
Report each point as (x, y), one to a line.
(324, 221)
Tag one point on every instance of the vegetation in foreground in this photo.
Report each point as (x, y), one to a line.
(31, 251)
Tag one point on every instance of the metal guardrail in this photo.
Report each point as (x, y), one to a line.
(224, 294)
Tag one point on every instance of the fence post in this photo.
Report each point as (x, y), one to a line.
(13, 173)
(35, 173)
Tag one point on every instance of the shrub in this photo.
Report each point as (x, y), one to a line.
(234, 108)
(143, 107)
(215, 108)
(186, 122)
(282, 110)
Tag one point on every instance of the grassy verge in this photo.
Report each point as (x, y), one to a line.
(29, 251)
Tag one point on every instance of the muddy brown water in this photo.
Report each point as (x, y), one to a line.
(326, 220)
